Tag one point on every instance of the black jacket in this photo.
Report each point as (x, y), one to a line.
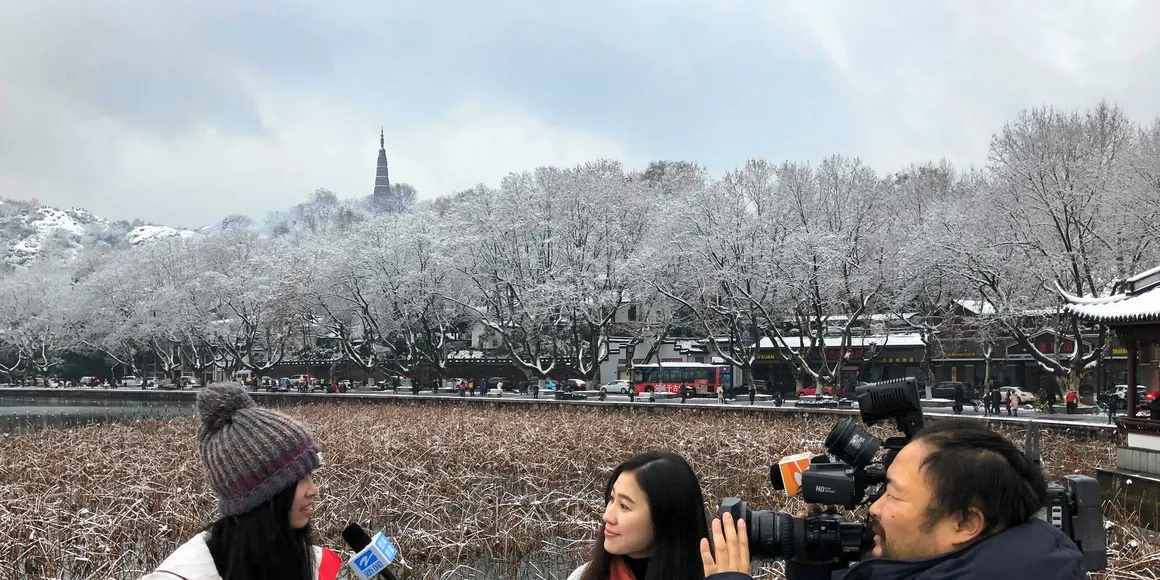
(1030, 551)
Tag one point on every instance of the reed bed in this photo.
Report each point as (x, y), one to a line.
(467, 491)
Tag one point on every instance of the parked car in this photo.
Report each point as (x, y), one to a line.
(811, 391)
(166, 383)
(1023, 396)
(948, 389)
(574, 384)
(1119, 393)
(618, 386)
(130, 381)
(302, 380)
(89, 382)
(190, 381)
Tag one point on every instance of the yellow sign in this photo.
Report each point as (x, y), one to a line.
(1120, 351)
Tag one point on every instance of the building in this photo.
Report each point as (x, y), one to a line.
(1134, 316)
(382, 194)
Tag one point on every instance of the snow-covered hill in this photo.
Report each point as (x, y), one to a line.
(29, 231)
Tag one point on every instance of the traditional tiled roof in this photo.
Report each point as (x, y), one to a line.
(1140, 302)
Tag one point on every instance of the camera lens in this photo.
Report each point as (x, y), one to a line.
(778, 536)
(770, 533)
(852, 444)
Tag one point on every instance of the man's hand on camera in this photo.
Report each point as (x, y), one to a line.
(732, 543)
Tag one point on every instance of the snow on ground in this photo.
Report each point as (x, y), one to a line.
(49, 218)
(142, 234)
(47, 222)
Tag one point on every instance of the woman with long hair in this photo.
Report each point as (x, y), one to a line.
(259, 463)
(653, 523)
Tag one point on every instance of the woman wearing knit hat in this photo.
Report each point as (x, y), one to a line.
(259, 464)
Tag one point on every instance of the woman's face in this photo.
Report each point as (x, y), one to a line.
(628, 528)
(304, 498)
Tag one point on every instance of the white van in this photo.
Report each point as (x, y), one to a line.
(241, 376)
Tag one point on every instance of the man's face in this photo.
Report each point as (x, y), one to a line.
(902, 530)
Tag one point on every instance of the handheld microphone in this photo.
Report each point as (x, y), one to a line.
(371, 555)
(786, 474)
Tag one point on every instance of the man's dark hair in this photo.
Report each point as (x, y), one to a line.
(971, 466)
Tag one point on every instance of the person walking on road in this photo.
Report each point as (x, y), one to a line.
(1012, 405)
(752, 394)
(1072, 400)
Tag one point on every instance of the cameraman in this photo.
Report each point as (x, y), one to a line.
(959, 503)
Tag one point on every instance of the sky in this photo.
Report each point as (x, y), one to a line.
(182, 112)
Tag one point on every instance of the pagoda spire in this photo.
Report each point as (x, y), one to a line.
(382, 175)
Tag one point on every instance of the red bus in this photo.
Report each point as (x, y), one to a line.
(669, 377)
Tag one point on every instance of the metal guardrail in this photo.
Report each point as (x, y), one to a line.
(641, 403)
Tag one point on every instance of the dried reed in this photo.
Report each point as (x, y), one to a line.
(469, 492)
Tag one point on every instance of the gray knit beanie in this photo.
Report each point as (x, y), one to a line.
(250, 453)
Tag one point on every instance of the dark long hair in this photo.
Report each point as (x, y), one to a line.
(678, 518)
(261, 545)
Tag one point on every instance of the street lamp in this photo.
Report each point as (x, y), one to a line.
(630, 352)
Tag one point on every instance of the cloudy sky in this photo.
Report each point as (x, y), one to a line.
(181, 112)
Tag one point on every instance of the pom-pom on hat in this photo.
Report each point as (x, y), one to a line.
(250, 453)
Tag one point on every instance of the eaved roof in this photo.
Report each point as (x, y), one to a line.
(1139, 303)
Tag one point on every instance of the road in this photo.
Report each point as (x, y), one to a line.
(1084, 416)
(1025, 414)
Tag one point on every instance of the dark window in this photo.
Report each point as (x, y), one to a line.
(632, 313)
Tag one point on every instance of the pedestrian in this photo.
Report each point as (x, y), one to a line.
(778, 398)
(958, 400)
(684, 393)
(1012, 404)
(721, 395)
(471, 387)
(632, 394)
(1050, 401)
(752, 394)
(1072, 400)
(259, 465)
(535, 389)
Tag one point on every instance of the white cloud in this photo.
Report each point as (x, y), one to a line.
(928, 79)
(185, 112)
(202, 174)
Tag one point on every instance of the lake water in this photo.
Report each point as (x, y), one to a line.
(19, 414)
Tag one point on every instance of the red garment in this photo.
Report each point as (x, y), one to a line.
(330, 565)
(1071, 397)
(620, 570)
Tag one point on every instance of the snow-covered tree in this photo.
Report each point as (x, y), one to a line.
(1052, 211)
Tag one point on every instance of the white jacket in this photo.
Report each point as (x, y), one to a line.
(577, 573)
(192, 561)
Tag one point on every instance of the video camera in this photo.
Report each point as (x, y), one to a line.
(1073, 507)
